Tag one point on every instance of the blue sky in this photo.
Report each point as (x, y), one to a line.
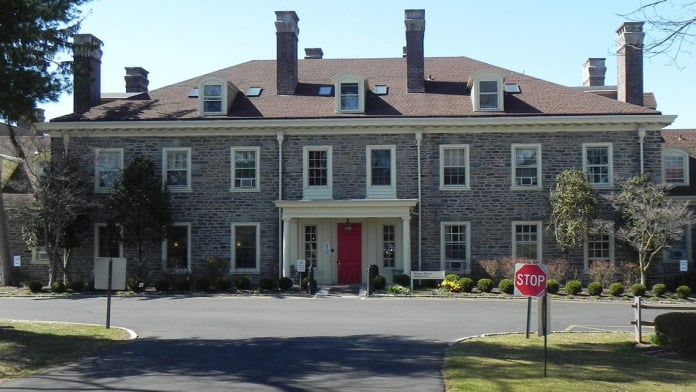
(547, 39)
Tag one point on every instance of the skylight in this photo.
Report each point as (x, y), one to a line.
(381, 89)
(254, 91)
(193, 93)
(325, 91)
(512, 88)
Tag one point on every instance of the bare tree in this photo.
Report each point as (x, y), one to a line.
(669, 26)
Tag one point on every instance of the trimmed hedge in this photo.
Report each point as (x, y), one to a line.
(552, 286)
(573, 287)
(616, 289)
(659, 289)
(677, 332)
(594, 288)
(485, 285)
(506, 286)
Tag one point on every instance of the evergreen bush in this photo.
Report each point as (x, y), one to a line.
(285, 283)
(676, 331)
(683, 292)
(402, 280)
(573, 287)
(267, 283)
(594, 288)
(638, 290)
(35, 286)
(485, 285)
(616, 289)
(659, 289)
(466, 284)
(243, 283)
(552, 286)
(506, 286)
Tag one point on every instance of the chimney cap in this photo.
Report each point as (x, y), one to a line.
(314, 53)
(87, 45)
(286, 22)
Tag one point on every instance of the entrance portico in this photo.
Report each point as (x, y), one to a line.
(343, 237)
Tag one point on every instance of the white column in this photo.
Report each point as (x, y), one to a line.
(406, 241)
(287, 261)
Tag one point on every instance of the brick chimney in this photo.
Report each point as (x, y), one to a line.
(629, 51)
(415, 63)
(136, 80)
(313, 53)
(593, 72)
(286, 60)
(86, 72)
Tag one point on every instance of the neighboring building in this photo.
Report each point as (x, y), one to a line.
(408, 163)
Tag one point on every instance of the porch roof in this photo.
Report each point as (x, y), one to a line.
(355, 208)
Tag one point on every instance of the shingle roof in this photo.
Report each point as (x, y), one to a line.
(446, 94)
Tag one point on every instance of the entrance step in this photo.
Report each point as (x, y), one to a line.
(340, 291)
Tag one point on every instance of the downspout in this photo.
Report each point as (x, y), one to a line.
(280, 136)
(419, 139)
(641, 139)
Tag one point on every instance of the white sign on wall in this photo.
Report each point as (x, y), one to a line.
(300, 265)
(683, 265)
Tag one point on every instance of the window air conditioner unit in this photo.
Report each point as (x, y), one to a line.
(455, 265)
(246, 182)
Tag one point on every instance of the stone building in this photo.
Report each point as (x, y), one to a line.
(409, 163)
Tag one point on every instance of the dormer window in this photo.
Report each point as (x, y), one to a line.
(487, 91)
(216, 96)
(350, 93)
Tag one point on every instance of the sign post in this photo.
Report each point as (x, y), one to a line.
(530, 281)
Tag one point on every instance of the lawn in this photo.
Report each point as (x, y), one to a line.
(29, 347)
(576, 362)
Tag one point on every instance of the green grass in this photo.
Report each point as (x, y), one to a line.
(576, 362)
(29, 347)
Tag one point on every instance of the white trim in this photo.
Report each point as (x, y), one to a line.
(380, 191)
(97, 154)
(342, 209)
(539, 234)
(165, 162)
(228, 92)
(188, 250)
(39, 256)
(443, 257)
(350, 78)
(513, 164)
(474, 85)
(467, 167)
(586, 258)
(245, 185)
(315, 192)
(676, 152)
(610, 171)
(233, 256)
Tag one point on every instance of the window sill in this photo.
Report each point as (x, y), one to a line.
(242, 190)
(455, 188)
(526, 188)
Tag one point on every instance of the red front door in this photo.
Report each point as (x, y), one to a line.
(349, 253)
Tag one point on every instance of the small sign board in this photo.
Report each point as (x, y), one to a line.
(118, 273)
(300, 265)
(683, 265)
(427, 274)
(17, 261)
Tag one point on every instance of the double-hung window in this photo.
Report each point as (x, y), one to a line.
(526, 240)
(177, 252)
(454, 166)
(454, 246)
(107, 243)
(350, 97)
(177, 168)
(381, 172)
(212, 98)
(488, 94)
(245, 247)
(317, 172)
(245, 168)
(597, 164)
(107, 168)
(526, 166)
(487, 91)
(675, 167)
(350, 91)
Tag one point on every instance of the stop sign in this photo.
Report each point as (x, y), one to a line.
(530, 279)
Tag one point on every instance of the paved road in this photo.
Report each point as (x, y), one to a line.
(233, 343)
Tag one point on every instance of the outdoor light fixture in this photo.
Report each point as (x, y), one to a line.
(347, 226)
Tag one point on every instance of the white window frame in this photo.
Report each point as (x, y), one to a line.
(514, 148)
(671, 153)
(39, 256)
(474, 85)
(586, 256)
(467, 167)
(97, 238)
(381, 191)
(188, 250)
(233, 256)
(98, 171)
(610, 171)
(165, 163)
(233, 170)
(350, 78)
(223, 98)
(391, 259)
(317, 192)
(445, 264)
(539, 239)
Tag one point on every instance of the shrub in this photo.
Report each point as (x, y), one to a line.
(267, 283)
(659, 289)
(560, 270)
(181, 283)
(500, 268)
(201, 283)
(398, 289)
(616, 289)
(35, 286)
(602, 272)
(466, 284)
(402, 280)
(683, 291)
(163, 285)
(594, 288)
(573, 287)
(485, 285)
(243, 283)
(638, 290)
(134, 285)
(451, 277)
(552, 286)
(378, 282)
(506, 286)
(223, 283)
(77, 285)
(285, 283)
(677, 331)
(452, 286)
(58, 287)
(630, 272)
